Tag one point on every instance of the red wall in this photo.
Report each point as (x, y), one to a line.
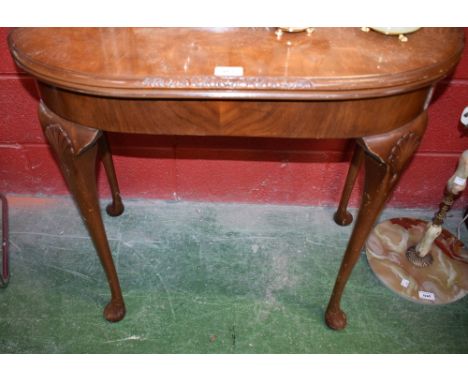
(226, 169)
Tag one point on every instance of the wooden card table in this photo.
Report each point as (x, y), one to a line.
(244, 82)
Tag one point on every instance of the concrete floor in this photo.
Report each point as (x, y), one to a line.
(206, 278)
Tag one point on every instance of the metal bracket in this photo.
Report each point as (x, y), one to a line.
(5, 274)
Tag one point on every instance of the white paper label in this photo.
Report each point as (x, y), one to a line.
(229, 71)
(404, 283)
(426, 295)
(459, 181)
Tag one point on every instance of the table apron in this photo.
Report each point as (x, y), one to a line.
(243, 118)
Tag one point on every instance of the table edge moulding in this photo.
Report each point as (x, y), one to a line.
(244, 82)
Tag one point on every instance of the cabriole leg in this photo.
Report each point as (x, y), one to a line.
(115, 208)
(342, 215)
(76, 150)
(386, 156)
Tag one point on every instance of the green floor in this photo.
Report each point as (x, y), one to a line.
(206, 278)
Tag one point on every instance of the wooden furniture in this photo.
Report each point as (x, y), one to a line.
(331, 83)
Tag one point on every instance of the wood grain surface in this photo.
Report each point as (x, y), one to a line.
(333, 83)
(180, 62)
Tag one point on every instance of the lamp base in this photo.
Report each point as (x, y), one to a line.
(443, 281)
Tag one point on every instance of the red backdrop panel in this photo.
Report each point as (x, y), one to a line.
(308, 172)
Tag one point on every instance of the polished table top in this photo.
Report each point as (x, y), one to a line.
(181, 62)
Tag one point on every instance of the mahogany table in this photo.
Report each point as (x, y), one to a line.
(246, 82)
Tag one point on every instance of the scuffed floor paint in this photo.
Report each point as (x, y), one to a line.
(206, 278)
